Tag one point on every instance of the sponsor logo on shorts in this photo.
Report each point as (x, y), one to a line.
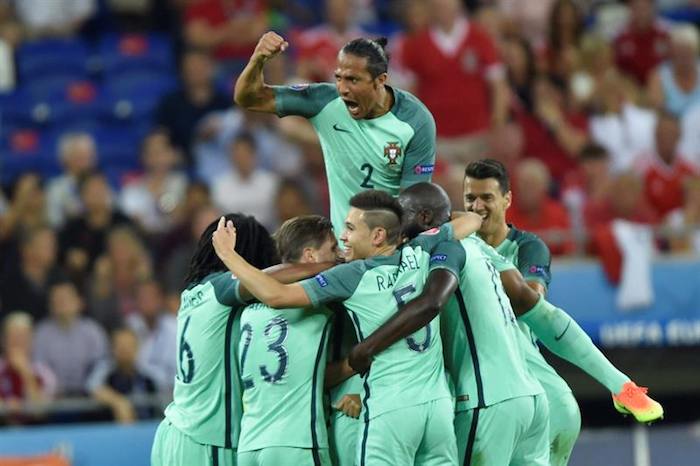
(321, 280)
(438, 258)
(423, 169)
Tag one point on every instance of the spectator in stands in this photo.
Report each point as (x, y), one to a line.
(78, 156)
(22, 380)
(690, 136)
(116, 382)
(156, 330)
(56, 18)
(25, 284)
(626, 202)
(453, 62)
(318, 47)
(675, 85)
(684, 222)
(181, 111)
(275, 152)
(229, 28)
(533, 210)
(565, 29)
(291, 201)
(664, 170)
(152, 198)
(624, 128)
(246, 188)
(27, 208)
(530, 18)
(10, 28)
(69, 343)
(643, 43)
(115, 276)
(553, 130)
(175, 270)
(83, 238)
(521, 68)
(590, 184)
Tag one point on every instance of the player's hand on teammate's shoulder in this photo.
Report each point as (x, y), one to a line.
(269, 45)
(224, 238)
(350, 405)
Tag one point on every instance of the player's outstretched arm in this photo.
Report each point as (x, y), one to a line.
(410, 317)
(288, 273)
(250, 91)
(262, 286)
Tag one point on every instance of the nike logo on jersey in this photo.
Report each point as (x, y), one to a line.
(338, 128)
(557, 338)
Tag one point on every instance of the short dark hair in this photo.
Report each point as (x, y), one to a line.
(489, 168)
(302, 232)
(381, 210)
(593, 152)
(374, 50)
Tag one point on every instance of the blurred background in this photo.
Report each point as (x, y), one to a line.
(119, 143)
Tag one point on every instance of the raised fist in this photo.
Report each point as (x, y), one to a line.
(269, 45)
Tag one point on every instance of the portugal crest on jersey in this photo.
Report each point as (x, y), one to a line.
(392, 151)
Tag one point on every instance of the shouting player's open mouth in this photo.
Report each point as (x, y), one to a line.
(353, 107)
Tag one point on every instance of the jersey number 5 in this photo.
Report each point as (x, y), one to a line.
(410, 341)
(185, 357)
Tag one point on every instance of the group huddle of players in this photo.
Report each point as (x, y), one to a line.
(414, 346)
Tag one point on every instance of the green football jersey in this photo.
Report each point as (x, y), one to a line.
(482, 350)
(532, 257)
(343, 338)
(388, 153)
(282, 366)
(206, 398)
(411, 371)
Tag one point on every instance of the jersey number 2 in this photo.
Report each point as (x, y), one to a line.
(276, 346)
(410, 341)
(367, 182)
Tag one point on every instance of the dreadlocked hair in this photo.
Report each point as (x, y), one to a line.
(253, 243)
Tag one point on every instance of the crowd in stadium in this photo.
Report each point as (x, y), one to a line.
(120, 142)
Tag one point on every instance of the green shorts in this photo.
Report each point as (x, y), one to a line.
(564, 426)
(284, 456)
(173, 448)
(421, 435)
(342, 437)
(514, 432)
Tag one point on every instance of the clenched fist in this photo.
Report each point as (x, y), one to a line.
(269, 45)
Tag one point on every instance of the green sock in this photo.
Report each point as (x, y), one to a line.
(565, 338)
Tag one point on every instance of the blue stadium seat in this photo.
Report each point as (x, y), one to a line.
(118, 148)
(52, 56)
(22, 151)
(135, 52)
(20, 110)
(127, 82)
